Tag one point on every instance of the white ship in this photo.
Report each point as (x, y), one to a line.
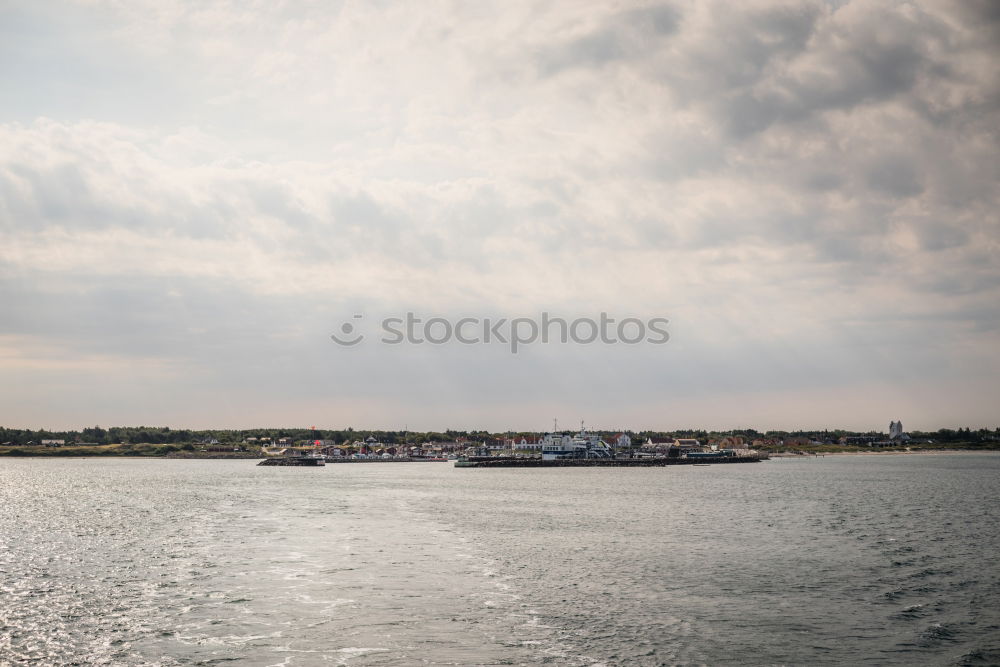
(583, 445)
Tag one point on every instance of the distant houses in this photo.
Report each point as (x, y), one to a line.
(620, 441)
(436, 445)
(657, 444)
(858, 440)
(525, 442)
(663, 445)
(372, 448)
(896, 437)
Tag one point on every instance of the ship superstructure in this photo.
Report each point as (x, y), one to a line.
(583, 445)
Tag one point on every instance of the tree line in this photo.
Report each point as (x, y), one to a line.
(164, 435)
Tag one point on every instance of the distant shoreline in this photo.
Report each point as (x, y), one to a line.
(112, 453)
(918, 452)
(106, 453)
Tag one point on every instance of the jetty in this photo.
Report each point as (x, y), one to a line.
(310, 461)
(646, 462)
(394, 459)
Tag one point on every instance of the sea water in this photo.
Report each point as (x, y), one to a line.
(839, 559)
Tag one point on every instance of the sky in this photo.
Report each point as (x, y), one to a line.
(194, 196)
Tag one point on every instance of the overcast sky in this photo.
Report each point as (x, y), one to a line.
(195, 195)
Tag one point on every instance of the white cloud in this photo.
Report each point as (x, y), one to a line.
(790, 182)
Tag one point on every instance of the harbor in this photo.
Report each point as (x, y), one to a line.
(588, 449)
(556, 449)
(651, 462)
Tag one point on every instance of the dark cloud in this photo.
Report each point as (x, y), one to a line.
(622, 36)
(896, 176)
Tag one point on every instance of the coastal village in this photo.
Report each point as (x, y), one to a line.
(559, 445)
(383, 445)
(522, 445)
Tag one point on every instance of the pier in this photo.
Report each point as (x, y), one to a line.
(310, 461)
(651, 462)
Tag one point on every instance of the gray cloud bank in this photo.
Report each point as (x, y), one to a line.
(192, 196)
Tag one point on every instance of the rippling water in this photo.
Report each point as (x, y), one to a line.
(877, 559)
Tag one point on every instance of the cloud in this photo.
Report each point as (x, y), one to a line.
(784, 181)
(622, 36)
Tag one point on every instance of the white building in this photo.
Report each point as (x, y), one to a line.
(532, 442)
(896, 431)
(621, 440)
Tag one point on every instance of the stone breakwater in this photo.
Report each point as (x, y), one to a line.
(599, 463)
